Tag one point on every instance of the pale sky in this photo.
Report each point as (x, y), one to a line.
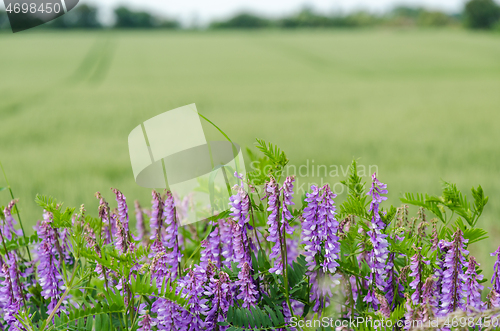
(203, 11)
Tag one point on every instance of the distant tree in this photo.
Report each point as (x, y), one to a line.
(81, 17)
(433, 18)
(406, 11)
(127, 18)
(481, 14)
(242, 21)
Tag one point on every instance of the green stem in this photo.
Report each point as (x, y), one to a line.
(59, 303)
(17, 209)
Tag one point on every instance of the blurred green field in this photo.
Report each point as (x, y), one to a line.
(421, 105)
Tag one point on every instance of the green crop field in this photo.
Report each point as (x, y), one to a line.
(421, 106)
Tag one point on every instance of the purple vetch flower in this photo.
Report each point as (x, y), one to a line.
(9, 304)
(146, 323)
(14, 274)
(155, 221)
(240, 205)
(409, 312)
(247, 289)
(219, 292)
(319, 228)
(212, 249)
(417, 263)
(167, 315)
(330, 229)
(472, 286)
(140, 226)
(441, 268)
(122, 208)
(453, 282)
(226, 238)
(385, 308)
(171, 222)
(122, 242)
(311, 228)
(240, 249)
(49, 277)
(273, 206)
(434, 236)
(495, 280)
(493, 299)
(393, 283)
(286, 215)
(160, 265)
(377, 258)
(7, 228)
(107, 231)
(171, 237)
(192, 285)
(375, 192)
(429, 300)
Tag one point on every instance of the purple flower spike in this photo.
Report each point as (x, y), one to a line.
(453, 285)
(219, 292)
(393, 282)
(8, 230)
(286, 216)
(160, 268)
(167, 315)
(106, 231)
(155, 221)
(417, 263)
(240, 248)
(122, 208)
(495, 280)
(429, 299)
(247, 289)
(9, 304)
(330, 229)
(49, 277)
(122, 242)
(493, 299)
(212, 250)
(226, 238)
(377, 258)
(146, 323)
(240, 204)
(171, 224)
(311, 227)
(193, 288)
(472, 286)
(171, 237)
(273, 203)
(375, 192)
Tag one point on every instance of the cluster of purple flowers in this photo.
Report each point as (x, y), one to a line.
(429, 285)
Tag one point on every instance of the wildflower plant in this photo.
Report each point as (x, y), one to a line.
(272, 261)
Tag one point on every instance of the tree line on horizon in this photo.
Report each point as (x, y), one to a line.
(477, 14)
